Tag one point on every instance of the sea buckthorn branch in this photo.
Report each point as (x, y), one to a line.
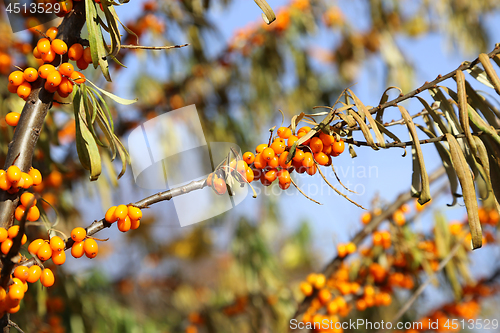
(141, 47)
(30, 124)
(360, 236)
(99, 225)
(426, 86)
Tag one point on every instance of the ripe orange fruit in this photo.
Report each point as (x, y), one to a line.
(338, 148)
(271, 175)
(52, 32)
(35, 246)
(260, 162)
(3, 234)
(260, 148)
(75, 52)
(90, 247)
(22, 273)
(13, 174)
(16, 292)
(248, 157)
(59, 46)
(43, 46)
(321, 158)
(110, 215)
(77, 77)
(283, 176)
(78, 234)
(45, 70)
(47, 278)
(36, 175)
(12, 118)
(366, 218)
(77, 250)
(341, 250)
(6, 245)
(87, 56)
(36, 53)
(278, 147)
(282, 160)
(12, 88)
(399, 217)
(249, 175)
(220, 186)
(59, 257)
(306, 288)
(320, 281)
(13, 231)
(316, 145)
(268, 153)
(49, 56)
(311, 170)
(34, 273)
(26, 198)
(324, 296)
(24, 90)
(124, 224)
(27, 180)
(121, 212)
(299, 155)
(57, 244)
(82, 64)
(284, 132)
(66, 69)
(291, 140)
(54, 78)
(33, 214)
(308, 160)
(44, 252)
(30, 74)
(134, 224)
(327, 139)
(350, 248)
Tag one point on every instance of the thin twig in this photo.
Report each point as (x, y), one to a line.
(298, 188)
(141, 47)
(13, 324)
(340, 182)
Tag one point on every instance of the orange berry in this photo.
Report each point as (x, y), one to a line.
(248, 157)
(44, 252)
(75, 52)
(59, 46)
(134, 224)
(43, 46)
(299, 155)
(220, 186)
(12, 88)
(22, 273)
(34, 273)
(249, 175)
(308, 160)
(350, 248)
(268, 153)
(328, 140)
(260, 148)
(121, 211)
(338, 148)
(77, 249)
(52, 32)
(341, 250)
(16, 78)
(320, 281)
(82, 64)
(12, 118)
(284, 186)
(399, 217)
(26, 198)
(65, 87)
(321, 158)
(45, 70)
(312, 170)
(16, 292)
(78, 234)
(241, 168)
(13, 174)
(87, 56)
(36, 53)
(283, 176)
(66, 69)
(260, 162)
(28, 181)
(24, 90)
(306, 288)
(316, 145)
(110, 215)
(324, 296)
(13, 231)
(54, 79)
(77, 77)
(30, 74)
(33, 214)
(57, 244)
(366, 218)
(284, 132)
(6, 245)
(36, 175)
(24, 239)
(47, 278)
(361, 304)
(49, 56)
(304, 129)
(332, 308)
(291, 140)
(271, 175)
(90, 247)
(278, 147)
(124, 224)
(59, 257)
(3, 234)
(405, 208)
(35, 246)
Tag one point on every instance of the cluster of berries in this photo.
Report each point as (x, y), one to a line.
(45, 250)
(59, 79)
(128, 217)
(13, 179)
(270, 161)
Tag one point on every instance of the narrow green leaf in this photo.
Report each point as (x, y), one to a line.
(364, 129)
(96, 39)
(383, 99)
(447, 109)
(115, 98)
(366, 114)
(480, 75)
(463, 110)
(468, 191)
(268, 14)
